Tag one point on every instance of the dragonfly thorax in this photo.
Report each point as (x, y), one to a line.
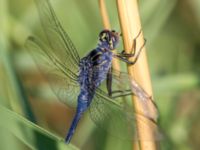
(108, 39)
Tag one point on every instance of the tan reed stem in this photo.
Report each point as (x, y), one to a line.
(130, 26)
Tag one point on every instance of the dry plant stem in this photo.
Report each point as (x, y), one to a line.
(104, 14)
(130, 25)
(106, 24)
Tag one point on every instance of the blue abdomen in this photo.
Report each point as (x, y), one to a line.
(94, 68)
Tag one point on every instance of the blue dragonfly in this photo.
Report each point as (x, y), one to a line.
(86, 79)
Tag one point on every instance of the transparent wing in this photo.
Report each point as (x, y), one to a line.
(119, 119)
(117, 116)
(58, 60)
(59, 42)
(64, 87)
(124, 82)
(62, 81)
(124, 85)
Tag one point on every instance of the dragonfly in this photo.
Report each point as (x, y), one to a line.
(85, 79)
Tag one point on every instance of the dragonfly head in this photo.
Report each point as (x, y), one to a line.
(108, 39)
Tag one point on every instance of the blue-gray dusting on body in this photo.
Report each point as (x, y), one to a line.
(93, 71)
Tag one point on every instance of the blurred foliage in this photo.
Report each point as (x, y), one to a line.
(172, 29)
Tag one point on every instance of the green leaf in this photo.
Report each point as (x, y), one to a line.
(27, 131)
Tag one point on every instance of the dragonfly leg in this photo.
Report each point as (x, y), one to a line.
(116, 93)
(120, 93)
(124, 56)
(109, 82)
(133, 46)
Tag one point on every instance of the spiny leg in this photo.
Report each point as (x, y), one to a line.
(133, 45)
(116, 93)
(124, 56)
(120, 93)
(109, 82)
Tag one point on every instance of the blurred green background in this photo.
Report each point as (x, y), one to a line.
(31, 117)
